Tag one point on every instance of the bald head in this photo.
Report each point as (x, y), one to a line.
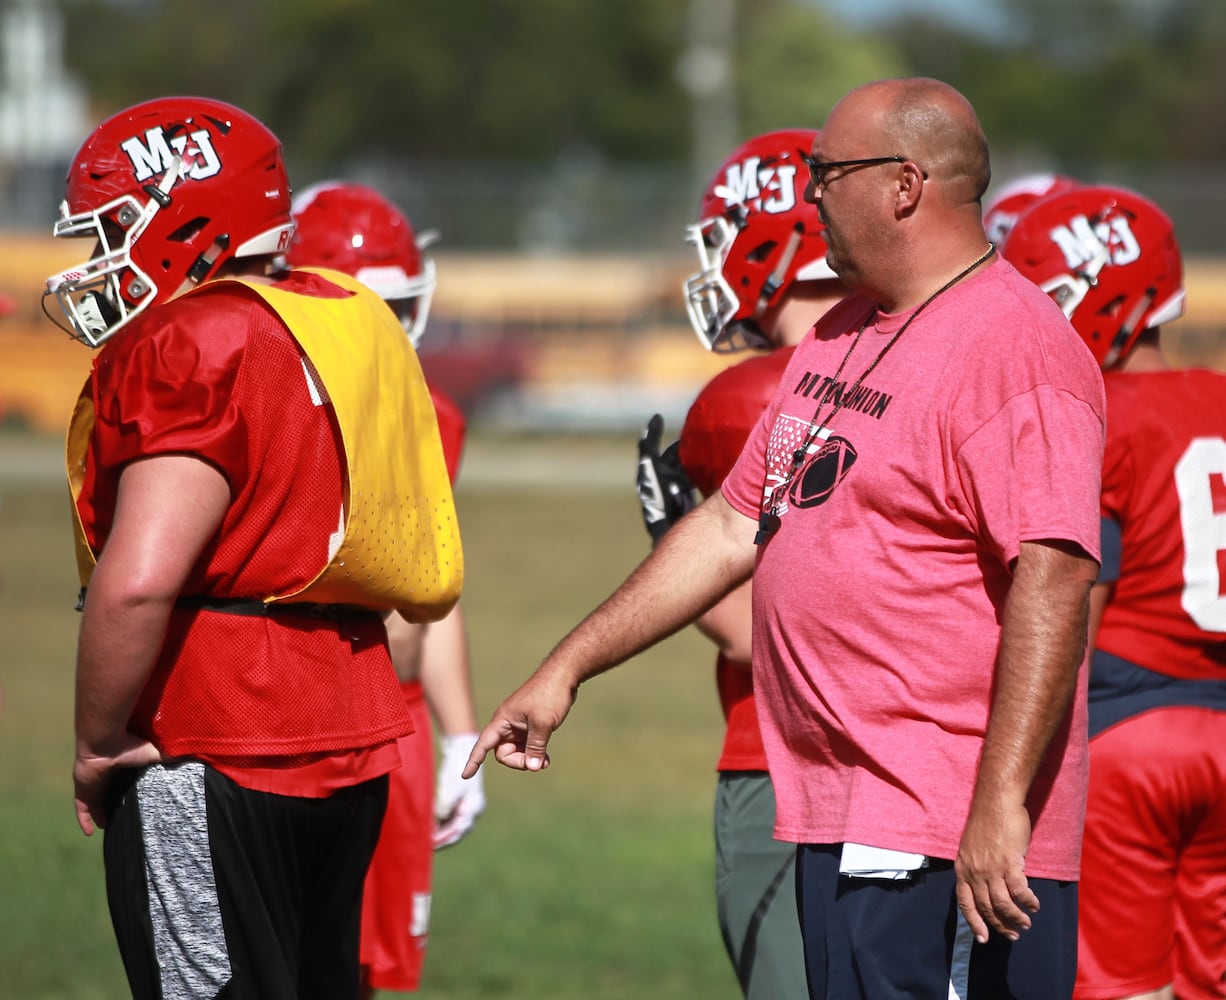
(930, 122)
(904, 214)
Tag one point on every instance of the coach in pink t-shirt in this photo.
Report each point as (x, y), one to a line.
(879, 598)
(918, 509)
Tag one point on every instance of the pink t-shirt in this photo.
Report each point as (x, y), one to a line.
(878, 602)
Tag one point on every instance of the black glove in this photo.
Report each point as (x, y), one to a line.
(665, 491)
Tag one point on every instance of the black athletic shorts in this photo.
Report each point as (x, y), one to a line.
(217, 891)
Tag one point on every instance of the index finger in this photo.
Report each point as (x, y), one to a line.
(512, 744)
(476, 757)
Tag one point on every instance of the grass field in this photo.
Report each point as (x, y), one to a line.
(592, 880)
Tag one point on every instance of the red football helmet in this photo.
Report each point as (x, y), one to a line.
(1008, 204)
(755, 236)
(723, 414)
(354, 229)
(1109, 258)
(170, 189)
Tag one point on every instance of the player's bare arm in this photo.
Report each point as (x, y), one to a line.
(1100, 597)
(168, 508)
(405, 640)
(729, 624)
(1043, 642)
(446, 678)
(704, 556)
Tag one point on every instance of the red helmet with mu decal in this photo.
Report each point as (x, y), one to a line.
(170, 189)
(353, 228)
(756, 235)
(1008, 205)
(1109, 258)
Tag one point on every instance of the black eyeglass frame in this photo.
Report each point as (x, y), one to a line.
(817, 168)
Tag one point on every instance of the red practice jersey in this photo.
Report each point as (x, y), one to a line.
(715, 431)
(452, 428)
(191, 378)
(1164, 485)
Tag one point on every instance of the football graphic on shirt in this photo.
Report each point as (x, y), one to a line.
(823, 472)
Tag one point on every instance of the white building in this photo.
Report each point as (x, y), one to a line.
(43, 111)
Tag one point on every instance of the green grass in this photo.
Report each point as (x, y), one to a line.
(592, 880)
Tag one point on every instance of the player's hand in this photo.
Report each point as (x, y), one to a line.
(458, 801)
(92, 773)
(519, 731)
(992, 889)
(665, 491)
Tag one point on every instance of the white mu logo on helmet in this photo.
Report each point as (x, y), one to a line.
(774, 187)
(1082, 241)
(157, 153)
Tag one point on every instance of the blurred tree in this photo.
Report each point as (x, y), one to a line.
(130, 50)
(795, 61)
(1120, 80)
(500, 78)
(470, 106)
(507, 80)
(495, 79)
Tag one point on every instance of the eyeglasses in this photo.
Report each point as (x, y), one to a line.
(819, 169)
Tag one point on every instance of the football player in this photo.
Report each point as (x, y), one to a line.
(355, 229)
(1153, 885)
(237, 710)
(762, 283)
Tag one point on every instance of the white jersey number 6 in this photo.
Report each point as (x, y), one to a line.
(1204, 531)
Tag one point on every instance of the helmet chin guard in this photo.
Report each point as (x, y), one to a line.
(107, 291)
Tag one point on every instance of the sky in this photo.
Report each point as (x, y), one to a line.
(983, 15)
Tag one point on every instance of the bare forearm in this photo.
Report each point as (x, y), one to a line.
(404, 642)
(445, 674)
(120, 639)
(703, 556)
(1100, 597)
(701, 559)
(1043, 642)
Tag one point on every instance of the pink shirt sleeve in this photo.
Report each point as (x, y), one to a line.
(1049, 440)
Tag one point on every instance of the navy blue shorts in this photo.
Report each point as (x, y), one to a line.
(873, 939)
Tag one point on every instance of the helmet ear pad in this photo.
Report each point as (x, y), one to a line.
(1110, 259)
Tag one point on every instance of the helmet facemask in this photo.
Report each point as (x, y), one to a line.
(105, 293)
(1070, 290)
(710, 300)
